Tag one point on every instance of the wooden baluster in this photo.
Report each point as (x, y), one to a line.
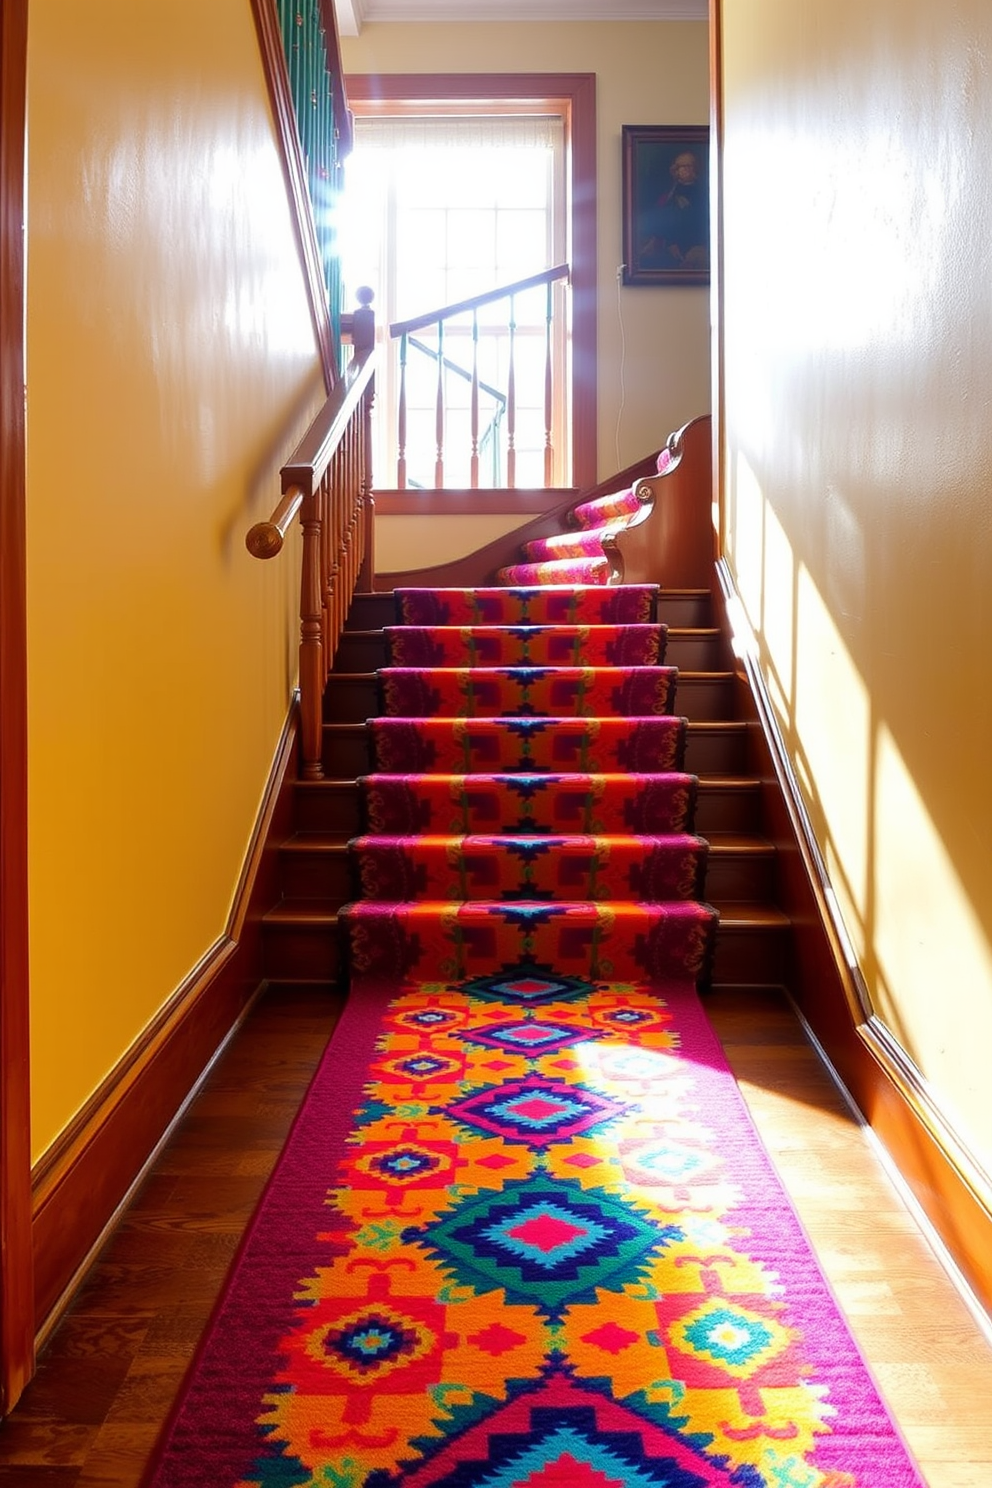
(349, 496)
(474, 470)
(336, 500)
(439, 410)
(311, 643)
(401, 419)
(549, 462)
(332, 495)
(366, 575)
(511, 404)
(328, 572)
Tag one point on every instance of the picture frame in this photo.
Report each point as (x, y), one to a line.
(666, 204)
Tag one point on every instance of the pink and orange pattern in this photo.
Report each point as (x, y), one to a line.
(520, 692)
(626, 604)
(463, 804)
(523, 1235)
(599, 745)
(526, 645)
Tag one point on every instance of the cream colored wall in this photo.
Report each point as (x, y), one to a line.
(859, 466)
(171, 364)
(419, 542)
(646, 73)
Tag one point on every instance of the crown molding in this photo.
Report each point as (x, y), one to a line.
(352, 15)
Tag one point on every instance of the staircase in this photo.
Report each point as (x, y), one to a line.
(300, 933)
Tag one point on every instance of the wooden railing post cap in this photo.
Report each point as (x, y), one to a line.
(363, 320)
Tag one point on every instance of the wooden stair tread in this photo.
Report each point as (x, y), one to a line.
(302, 912)
(729, 782)
(752, 916)
(738, 842)
(332, 783)
(374, 633)
(316, 842)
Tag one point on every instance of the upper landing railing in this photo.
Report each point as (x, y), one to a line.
(500, 387)
(327, 482)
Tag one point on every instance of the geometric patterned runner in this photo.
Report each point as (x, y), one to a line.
(518, 802)
(523, 1235)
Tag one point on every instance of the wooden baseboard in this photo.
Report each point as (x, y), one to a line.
(80, 1183)
(952, 1189)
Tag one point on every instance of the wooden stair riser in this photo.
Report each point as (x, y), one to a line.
(351, 697)
(676, 607)
(323, 873)
(332, 807)
(734, 806)
(751, 952)
(711, 749)
(301, 949)
(328, 807)
(740, 874)
(690, 650)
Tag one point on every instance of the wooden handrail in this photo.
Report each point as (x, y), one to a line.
(327, 482)
(445, 312)
(309, 461)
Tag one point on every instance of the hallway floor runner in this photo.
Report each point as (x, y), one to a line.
(523, 1235)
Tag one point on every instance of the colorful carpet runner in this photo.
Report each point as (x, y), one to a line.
(523, 1234)
(487, 874)
(581, 554)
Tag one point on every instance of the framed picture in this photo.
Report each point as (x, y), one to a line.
(666, 204)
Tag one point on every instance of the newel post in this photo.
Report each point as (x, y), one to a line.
(311, 642)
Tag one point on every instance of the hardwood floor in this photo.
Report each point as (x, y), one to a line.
(108, 1375)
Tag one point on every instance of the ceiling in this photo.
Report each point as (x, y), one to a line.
(352, 15)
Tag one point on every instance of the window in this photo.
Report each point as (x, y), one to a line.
(449, 197)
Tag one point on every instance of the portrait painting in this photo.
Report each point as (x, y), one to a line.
(666, 204)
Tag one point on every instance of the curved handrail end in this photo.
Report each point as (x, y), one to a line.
(266, 539)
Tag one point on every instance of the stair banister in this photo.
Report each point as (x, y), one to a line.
(327, 482)
(402, 330)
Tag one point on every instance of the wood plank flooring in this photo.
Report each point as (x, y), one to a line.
(108, 1375)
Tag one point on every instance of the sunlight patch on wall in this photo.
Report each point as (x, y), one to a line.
(746, 537)
(931, 946)
(863, 264)
(832, 718)
(778, 618)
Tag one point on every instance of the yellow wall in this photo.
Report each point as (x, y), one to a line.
(646, 73)
(171, 366)
(859, 464)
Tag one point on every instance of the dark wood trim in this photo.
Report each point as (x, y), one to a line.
(342, 114)
(480, 567)
(277, 78)
(947, 1182)
(717, 358)
(16, 1311)
(449, 502)
(84, 1177)
(371, 92)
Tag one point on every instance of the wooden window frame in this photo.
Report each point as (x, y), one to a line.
(575, 93)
